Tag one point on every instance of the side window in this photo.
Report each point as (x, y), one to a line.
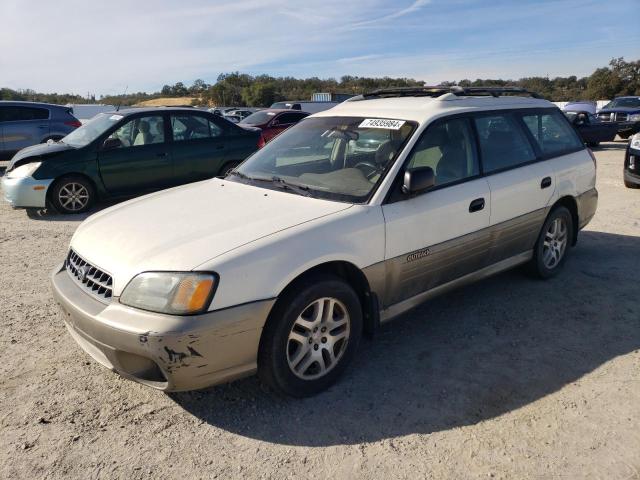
(289, 118)
(140, 131)
(552, 132)
(449, 149)
(503, 144)
(18, 114)
(193, 127)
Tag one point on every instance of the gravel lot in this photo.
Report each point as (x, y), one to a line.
(508, 378)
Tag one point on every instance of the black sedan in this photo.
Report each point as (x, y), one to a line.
(591, 129)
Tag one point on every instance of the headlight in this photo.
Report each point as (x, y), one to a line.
(171, 292)
(635, 142)
(634, 117)
(24, 170)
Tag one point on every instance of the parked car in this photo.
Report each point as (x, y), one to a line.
(624, 112)
(591, 128)
(126, 153)
(631, 169)
(272, 122)
(23, 124)
(311, 107)
(280, 267)
(240, 113)
(581, 106)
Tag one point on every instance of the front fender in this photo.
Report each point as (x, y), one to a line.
(262, 269)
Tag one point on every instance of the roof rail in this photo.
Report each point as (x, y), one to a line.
(439, 90)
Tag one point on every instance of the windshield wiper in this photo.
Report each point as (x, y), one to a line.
(299, 189)
(239, 174)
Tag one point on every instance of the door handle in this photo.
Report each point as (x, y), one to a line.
(43, 126)
(476, 205)
(161, 154)
(546, 182)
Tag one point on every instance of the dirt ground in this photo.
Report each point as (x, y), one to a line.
(509, 378)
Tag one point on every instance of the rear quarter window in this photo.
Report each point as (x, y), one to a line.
(553, 133)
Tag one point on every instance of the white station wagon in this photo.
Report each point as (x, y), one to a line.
(341, 223)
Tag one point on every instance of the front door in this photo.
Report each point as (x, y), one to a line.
(135, 158)
(198, 148)
(442, 234)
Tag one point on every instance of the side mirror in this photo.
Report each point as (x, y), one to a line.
(111, 143)
(418, 180)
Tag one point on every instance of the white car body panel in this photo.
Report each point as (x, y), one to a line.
(183, 227)
(262, 269)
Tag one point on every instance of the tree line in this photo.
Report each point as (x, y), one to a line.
(618, 78)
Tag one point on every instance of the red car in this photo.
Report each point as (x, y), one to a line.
(272, 121)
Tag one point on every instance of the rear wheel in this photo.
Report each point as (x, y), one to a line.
(631, 185)
(593, 144)
(553, 244)
(311, 337)
(72, 194)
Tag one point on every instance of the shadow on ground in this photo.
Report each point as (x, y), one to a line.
(471, 355)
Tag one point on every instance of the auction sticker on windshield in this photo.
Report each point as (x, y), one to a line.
(381, 123)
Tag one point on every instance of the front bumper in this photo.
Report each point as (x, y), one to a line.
(166, 352)
(25, 192)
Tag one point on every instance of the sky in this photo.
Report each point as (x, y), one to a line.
(80, 46)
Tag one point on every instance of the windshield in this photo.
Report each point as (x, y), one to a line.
(259, 118)
(338, 158)
(624, 103)
(91, 130)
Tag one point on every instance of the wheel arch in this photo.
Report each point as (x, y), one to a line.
(570, 204)
(71, 174)
(354, 277)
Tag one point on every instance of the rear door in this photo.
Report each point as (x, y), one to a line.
(521, 183)
(24, 126)
(136, 158)
(198, 146)
(441, 235)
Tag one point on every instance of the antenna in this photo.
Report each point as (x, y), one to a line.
(121, 98)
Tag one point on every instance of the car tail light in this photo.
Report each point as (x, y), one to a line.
(593, 157)
(261, 142)
(74, 123)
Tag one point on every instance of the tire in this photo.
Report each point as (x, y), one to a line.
(295, 350)
(72, 194)
(226, 168)
(548, 259)
(593, 144)
(631, 185)
(624, 136)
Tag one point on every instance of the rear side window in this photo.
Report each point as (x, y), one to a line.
(449, 149)
(288, 118)
(19, 114)
(503, 143)
(552, 133)
(193, 127)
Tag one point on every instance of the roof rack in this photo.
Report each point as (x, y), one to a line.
(439, 90)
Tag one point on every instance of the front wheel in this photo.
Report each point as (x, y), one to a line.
(72, 194)
(552, 246)
(311, 337)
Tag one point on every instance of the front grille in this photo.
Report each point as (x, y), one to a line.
(620, 117)
(90, 278)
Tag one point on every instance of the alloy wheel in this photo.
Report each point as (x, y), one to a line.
(318, 338)
(555, 243)
(73, 196)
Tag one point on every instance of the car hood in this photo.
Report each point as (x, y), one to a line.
(181, 228)
(37, 152)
